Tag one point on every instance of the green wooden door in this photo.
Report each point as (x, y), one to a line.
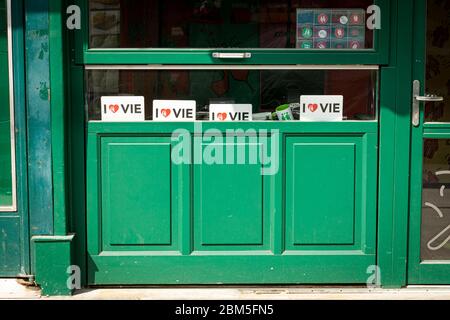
(429, 248)
(214, 219)
(10, 222)
(153, 221)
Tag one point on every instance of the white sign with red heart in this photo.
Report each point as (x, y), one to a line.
(321, 108)
(123, 109)
(174, 110)
(230, 112)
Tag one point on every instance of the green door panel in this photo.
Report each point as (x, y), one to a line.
(11, 235)
(321, 191)
(228, 214)
(6, 199)
(139, 197)
(152, 220)
(10, 249)
(39, 112)
(331, 192)
(327, 268)
(229, 207)
(136, 176)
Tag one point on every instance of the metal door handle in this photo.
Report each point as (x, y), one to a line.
(417, 99)
(429, 98)
(232, 55)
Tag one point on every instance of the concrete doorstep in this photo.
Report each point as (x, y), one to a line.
(14, 289)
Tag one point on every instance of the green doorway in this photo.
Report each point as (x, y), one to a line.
(151, 220)
(429, 248)
(14, 259)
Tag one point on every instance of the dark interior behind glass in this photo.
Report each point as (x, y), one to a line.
(264, 89)
(229, 24)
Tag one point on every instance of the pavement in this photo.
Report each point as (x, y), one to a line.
(14, 289)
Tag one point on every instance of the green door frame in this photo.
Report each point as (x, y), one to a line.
(422, 272)
(395, 125)
(378, 55)
(21, 136)
(395, 101)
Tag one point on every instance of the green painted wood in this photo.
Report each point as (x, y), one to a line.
(402, 142)
(283, 127)
(331, 192)
(387, 260)
(79, 42)
(227, 219)
(436, 127)
(18, 35)
(436, 134)
(231, 204)
(395, 121)
(415, 268)
(40, 186)
(75, 151)
(14, 253)
(393, 224)
(136, 174)
(53, 261)
(130, 57)
(378, 55)
(277, 232)
(58, 115)
(422, 272)
(76, 165)
(3, 26)
(6, 185)
(10, 249)
(322, 185)
(136, 177)
(261, 268)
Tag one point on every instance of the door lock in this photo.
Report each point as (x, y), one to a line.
(417, 99)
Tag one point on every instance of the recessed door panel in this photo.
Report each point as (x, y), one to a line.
(230, 205)
(137, 194)
(322, 184)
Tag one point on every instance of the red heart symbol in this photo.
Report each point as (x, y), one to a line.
(166, 112)
(222, 116)
(313, 107)
(114, 108)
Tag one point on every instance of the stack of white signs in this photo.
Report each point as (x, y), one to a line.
(132, 109)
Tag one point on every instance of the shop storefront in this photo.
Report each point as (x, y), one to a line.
(230, 142)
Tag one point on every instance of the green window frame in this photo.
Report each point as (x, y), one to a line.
(12, 205)
(379, 55)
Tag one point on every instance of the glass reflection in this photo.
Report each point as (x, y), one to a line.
(288, 24)
(438, 60)
(265, 90)
(435, 235)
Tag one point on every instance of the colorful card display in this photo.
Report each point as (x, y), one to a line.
(331, 29)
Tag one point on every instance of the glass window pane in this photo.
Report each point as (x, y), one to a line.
(265, 89)
(438, 60)
(435, 236)
(285, 24)
(6, 197)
